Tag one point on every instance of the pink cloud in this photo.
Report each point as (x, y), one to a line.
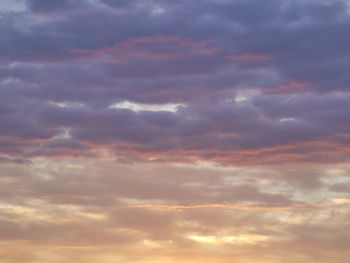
(150, 47)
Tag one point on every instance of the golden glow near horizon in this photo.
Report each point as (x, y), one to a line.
(64, 219)
(240, 239)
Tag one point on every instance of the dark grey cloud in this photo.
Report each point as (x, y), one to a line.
(292, 55)
(268, 126)
(49, 6)
(119, 3)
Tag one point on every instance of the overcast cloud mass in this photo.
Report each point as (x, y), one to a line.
(171, 131)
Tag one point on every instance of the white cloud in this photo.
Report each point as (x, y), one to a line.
(172, 107)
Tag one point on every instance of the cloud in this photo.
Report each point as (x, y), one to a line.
(50, 6)
(91, 206)
(158, 131)
(269, 127)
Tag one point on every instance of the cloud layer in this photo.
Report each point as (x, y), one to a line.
(264, 81)
(67, 209)
(162, 131)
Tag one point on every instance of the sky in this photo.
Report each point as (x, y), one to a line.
(163, 131)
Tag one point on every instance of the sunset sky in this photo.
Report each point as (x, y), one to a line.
(174, 131)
